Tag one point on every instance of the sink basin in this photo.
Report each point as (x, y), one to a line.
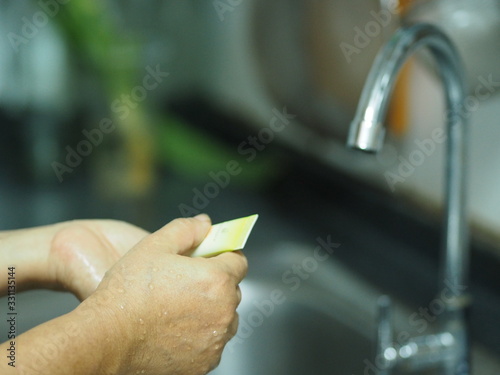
(319, 320)
(298, 337)
(316, 320)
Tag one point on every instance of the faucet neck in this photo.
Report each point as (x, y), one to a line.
(367, 130)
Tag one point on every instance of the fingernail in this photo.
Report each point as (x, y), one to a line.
(203, 217)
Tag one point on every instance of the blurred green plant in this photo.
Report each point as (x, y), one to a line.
(114, 57)
(195, 155)
(148, 136)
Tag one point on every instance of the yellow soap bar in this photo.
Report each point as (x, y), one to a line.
(228, 236)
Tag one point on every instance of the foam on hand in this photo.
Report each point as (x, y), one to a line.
(228, 236)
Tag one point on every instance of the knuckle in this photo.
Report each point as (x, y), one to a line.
(182, 224)
(216, 277)
(223, 278)
(228, 315)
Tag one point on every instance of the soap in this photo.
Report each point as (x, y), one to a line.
(227, 236)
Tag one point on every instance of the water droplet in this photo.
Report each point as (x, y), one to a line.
(165, 313)
(141, 338)
(215, 333)
(178, 276)
(141, 321)
(217, 346)
(188, 348)
(143, 371)
(151, 286)
(192, 360)
(122, 307)
(155, 269)
(178, 334)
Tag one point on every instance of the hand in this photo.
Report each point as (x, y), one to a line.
(83, 250)
(171, 314)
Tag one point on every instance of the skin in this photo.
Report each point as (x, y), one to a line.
(149, 310)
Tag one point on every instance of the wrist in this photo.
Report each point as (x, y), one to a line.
(84, 341)
(97, 316)
(28, 250)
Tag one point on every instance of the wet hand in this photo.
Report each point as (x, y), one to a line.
(83, 250)
(172, 314)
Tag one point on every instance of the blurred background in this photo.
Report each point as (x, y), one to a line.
(221, 69)
(134, 110)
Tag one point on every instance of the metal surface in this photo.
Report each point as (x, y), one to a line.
(367, 134)
(385, 351)
(320, 324)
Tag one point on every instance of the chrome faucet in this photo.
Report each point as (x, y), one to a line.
(447, 350)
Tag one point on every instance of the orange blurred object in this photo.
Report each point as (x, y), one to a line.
(398, 113)
(399, 108)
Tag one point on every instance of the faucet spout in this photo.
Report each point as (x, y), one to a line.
(367, 130)
(367, 133)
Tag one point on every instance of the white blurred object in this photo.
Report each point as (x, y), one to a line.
(474, 26)
(34, 80)
(33, 73)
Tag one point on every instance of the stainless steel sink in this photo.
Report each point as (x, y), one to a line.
(319, 322)
(315, 320)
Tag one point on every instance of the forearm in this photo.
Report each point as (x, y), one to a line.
(81, 342)
(156, 311)
(28, 251)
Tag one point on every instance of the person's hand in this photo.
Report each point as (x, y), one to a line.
(171, 314)
(83, 250)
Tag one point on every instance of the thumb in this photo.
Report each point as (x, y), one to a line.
(180, 236)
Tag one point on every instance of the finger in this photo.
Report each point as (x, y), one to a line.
(232, 262)
(233, 328)
(122, 236)
(181, 235)
(238, 294)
